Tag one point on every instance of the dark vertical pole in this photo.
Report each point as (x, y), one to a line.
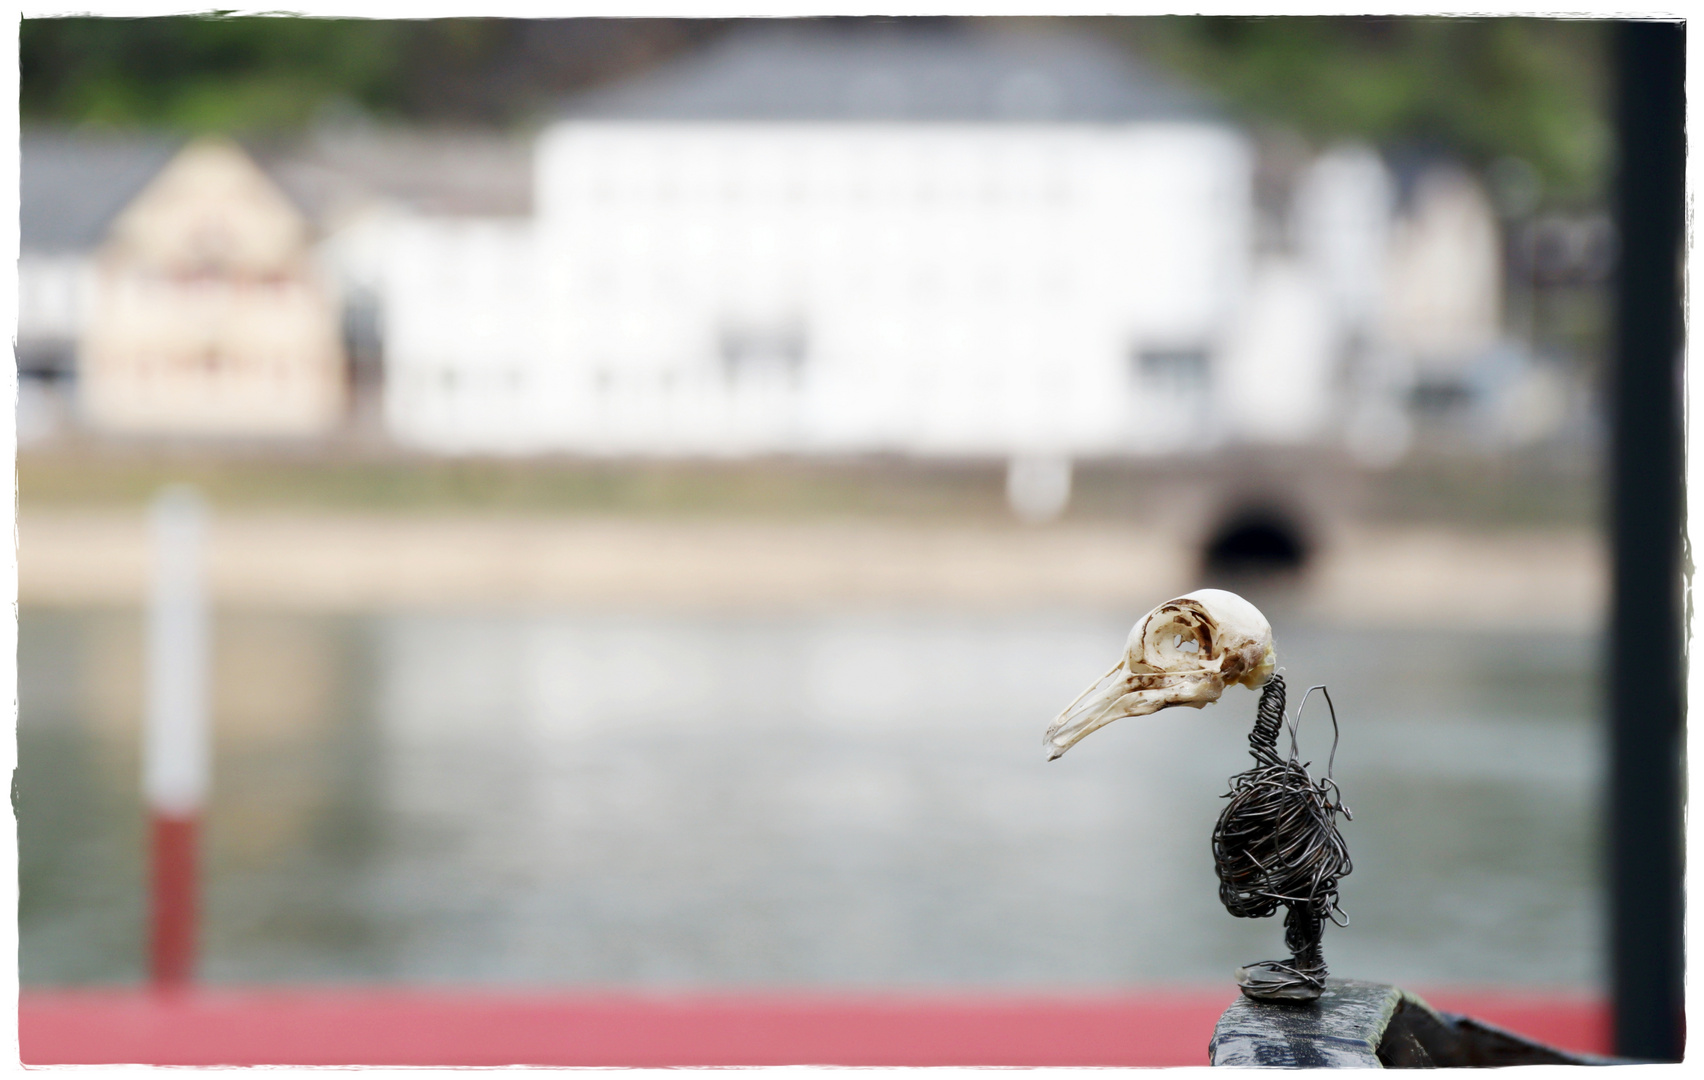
(1645, 676)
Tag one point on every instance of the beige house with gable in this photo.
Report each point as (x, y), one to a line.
(209, 317)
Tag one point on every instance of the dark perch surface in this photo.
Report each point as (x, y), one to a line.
(1362, 1025)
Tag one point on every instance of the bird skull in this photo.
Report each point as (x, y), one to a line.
(1184, 652)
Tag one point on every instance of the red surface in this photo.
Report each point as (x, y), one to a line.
(301, 1026)
(171, 954)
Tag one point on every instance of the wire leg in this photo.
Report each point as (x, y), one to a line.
(1303, 978)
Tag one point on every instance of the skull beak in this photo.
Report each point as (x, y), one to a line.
(1114, 697)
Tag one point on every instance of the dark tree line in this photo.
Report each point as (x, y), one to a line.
(248, 73)
(1481, 89)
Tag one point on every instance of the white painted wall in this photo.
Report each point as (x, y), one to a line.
(464, 365)
(1342, 213)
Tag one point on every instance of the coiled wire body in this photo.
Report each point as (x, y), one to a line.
(1277, 843)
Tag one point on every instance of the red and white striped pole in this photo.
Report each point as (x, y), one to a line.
(175, 752)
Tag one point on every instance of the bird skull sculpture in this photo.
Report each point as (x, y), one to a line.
(1184, 652)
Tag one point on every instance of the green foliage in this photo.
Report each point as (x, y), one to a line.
(203, 73)
(1533, 89)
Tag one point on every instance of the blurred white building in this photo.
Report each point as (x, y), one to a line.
(1412, 287)
(800, 241)
(1445, 281)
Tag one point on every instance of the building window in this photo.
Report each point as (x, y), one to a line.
(1179, 370)
(1439, 397)
(753, 350)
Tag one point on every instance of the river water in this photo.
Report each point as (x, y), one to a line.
(834, 800)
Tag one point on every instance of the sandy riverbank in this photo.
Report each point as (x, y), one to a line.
(345, 561)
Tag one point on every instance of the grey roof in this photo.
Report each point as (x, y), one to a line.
(72, 185)
(812, 70)
(433, 172)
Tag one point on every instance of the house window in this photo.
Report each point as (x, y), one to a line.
(1179, 370)
(1439, 397)
(754, 350)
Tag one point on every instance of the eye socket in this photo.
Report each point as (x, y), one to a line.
(1180, 638)
(1178, 644)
